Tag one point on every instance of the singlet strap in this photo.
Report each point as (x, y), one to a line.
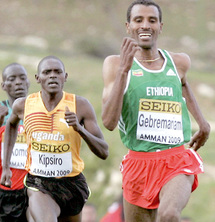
(4, 102)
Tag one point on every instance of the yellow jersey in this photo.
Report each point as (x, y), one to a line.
(53, 145)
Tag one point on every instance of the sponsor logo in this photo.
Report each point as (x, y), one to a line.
(170, 73)
(51, 148)
(161, 106)
(64, 121)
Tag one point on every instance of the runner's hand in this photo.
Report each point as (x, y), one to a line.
(6, 177)
(3, 113)
(128, 49)
(200, 137)
(71, 119)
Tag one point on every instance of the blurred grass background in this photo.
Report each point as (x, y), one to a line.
(82, 33)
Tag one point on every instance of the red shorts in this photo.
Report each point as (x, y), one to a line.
(145, 173)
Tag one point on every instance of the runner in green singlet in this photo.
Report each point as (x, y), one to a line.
(147, 94)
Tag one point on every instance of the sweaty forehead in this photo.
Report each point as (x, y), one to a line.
(144, 11)
(50, 64)
(13, 70)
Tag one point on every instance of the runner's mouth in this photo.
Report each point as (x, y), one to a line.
(145, 36)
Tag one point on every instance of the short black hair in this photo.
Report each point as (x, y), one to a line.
(47, 58)
(146, 3)
(8, 66)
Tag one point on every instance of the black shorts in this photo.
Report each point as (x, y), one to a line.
(70, 193)
(13, 205)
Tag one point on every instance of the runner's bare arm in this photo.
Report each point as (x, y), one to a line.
(10, 139)
(85, 123)
(200, 137)
(115, 73)
(3, 113)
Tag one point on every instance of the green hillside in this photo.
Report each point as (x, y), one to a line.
(82, 33)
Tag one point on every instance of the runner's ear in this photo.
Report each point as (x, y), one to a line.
(127, 27)
(37, 78)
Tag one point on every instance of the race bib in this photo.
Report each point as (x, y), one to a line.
(160, 121)
(51, 160)
(19, 154)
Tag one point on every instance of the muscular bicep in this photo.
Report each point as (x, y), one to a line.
(87, 117)
(110, 68)
(106, 91)
(17, 111)
(91, 125)
(182, 62)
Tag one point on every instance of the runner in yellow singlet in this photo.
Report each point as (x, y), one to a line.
(54, 122)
